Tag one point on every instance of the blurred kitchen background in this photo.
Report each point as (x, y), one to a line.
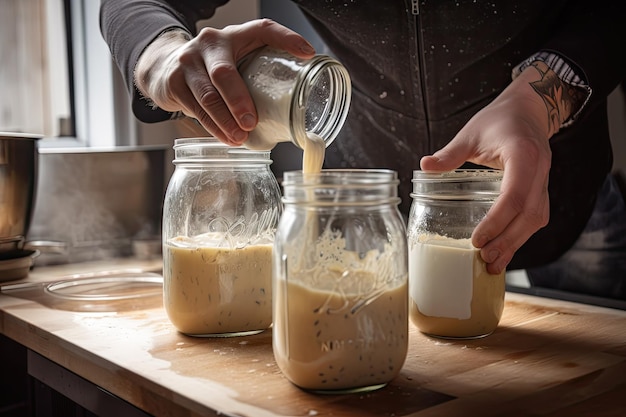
(102, 173)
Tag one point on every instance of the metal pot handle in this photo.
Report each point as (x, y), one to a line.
(47, 246)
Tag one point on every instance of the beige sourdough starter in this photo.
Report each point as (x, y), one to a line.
(219, 290)
(337, 340)
(214, 290)
(341, 325)
(452, 294)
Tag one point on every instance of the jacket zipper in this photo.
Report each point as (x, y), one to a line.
(415, 7)
(415, 13)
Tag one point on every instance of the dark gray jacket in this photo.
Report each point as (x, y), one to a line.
(418, 78)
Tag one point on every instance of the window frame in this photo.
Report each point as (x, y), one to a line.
(92, 78)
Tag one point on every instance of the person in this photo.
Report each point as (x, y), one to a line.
(513, 85)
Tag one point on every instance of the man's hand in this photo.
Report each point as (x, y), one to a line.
(512, 133)
(199, 76)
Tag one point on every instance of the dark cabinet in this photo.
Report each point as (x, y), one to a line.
(34, 386)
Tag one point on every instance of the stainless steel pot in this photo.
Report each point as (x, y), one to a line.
(18, 178)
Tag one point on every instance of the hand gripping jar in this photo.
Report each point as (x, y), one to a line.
(340, 281)
(451, 293)
(295, 96)
(220, 214)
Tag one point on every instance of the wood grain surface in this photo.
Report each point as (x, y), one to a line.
(547, 358)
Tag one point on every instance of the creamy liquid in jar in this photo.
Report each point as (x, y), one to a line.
(452, 294)
(342, 326)
(217, 290)
(337, 341)
(313, 155)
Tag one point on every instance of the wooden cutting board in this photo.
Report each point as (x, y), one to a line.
(547, 358)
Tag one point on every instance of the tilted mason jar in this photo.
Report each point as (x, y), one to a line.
(340, 281)
(220, 214)
(451, 293)
(295, 96)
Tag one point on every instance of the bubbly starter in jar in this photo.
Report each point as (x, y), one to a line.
(350, 334)
(452, 294)
(216, 290)
(343, 323)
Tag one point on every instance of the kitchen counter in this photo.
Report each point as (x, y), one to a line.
(548, 357)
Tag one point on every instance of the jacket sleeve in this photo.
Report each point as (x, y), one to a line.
(128, 27)
(592, 38)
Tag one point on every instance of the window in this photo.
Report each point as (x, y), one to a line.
(57, 76)
(35, 68)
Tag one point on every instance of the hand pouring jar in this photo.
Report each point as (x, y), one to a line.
(451, 293)
(294, 97)
(221, 210)
(340, 281)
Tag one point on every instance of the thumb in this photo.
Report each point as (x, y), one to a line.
(447, 158)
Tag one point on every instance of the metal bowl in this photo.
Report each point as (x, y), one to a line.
(18, 178)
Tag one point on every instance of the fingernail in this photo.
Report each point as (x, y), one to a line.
(307, 49)
(492, 256)
(240, 135)
(481, 240)
(248, 121)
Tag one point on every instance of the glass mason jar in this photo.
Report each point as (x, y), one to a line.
(220, 214)
(451, 293)
(340, 281)
(294, 96)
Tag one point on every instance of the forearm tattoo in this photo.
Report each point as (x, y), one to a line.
(561, 99)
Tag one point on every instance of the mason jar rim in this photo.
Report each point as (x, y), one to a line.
(211, 150)
(340, 176)
(458, 184)
(461, 174)
(341, 187)
(339, 92)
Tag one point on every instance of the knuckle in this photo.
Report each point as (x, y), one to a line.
(210, 97)
(207, 122)
(220, 71)
(208, 35)
(265, 23)
(215, 113)
(187, 56)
